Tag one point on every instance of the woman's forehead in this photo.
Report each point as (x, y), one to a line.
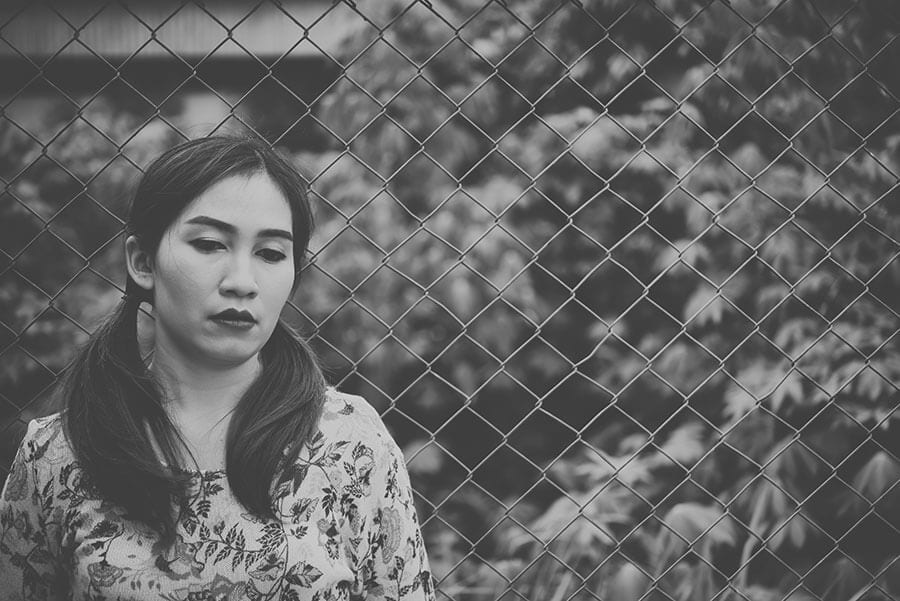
(243, 201)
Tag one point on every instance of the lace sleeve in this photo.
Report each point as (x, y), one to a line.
(399, 569)
(28, 567)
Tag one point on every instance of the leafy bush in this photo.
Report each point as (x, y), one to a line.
(668, 364)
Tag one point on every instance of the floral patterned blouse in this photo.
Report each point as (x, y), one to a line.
(346, 527)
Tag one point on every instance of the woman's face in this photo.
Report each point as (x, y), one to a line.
(229, 251)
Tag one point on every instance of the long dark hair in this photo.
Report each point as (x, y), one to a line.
(113, 405)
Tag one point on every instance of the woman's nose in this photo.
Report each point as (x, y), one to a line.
(239, 278)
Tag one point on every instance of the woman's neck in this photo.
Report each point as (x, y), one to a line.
(198, 393)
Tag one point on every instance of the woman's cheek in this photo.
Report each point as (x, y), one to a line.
(285, 280)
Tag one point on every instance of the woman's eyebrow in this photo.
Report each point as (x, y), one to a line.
(230, 229)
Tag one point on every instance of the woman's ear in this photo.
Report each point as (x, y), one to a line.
(139, 263)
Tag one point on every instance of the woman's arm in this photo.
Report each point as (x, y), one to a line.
(28, 568)
(397, 558)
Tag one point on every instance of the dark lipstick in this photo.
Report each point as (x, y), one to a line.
(234, 315)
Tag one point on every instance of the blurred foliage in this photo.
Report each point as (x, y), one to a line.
(65, 191)
(622, 274)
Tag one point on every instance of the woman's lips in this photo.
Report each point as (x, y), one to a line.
(232, 314)
(233, 323)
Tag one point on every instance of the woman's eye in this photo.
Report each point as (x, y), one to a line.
(207, 245)
(272, 256)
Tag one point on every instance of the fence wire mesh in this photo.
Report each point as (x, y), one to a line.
(621, 276)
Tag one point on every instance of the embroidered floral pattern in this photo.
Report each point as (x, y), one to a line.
(390, 529)
(103, 575)
(345, 525)
(16, 485)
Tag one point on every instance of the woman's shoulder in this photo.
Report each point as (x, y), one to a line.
(351, 417)
(348, 405)
(42, 452)
(45, 440)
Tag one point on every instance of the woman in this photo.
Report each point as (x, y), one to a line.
(222, 468)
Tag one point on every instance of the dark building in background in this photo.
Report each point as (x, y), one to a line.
(195, 63)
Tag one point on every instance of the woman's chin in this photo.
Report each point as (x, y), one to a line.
(231, 355)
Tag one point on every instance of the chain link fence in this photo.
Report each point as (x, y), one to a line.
(621, 276)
